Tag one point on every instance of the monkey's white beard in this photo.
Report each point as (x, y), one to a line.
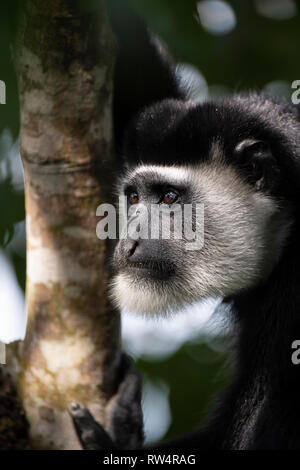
(145, 299)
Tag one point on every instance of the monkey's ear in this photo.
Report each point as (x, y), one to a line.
(251, 146)
(258, 164)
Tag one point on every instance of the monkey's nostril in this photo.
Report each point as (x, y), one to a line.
(132, 249)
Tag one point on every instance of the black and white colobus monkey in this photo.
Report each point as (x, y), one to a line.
(240, 157)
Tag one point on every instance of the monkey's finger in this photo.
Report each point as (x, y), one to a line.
(124, 411)
(91, 434)
(130, 389)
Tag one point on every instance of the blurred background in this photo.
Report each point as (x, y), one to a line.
(221, 47)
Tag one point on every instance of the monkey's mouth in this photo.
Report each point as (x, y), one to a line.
(150, 269)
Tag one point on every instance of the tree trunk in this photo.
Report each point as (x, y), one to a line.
(65, 62)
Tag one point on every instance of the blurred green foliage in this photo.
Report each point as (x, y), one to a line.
(193, 374)
(11, 197)
(9, 113)
(257, 51)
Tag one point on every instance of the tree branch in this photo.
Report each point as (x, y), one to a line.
(72, 349)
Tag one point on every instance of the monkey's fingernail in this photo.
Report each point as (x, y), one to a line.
(74, 406)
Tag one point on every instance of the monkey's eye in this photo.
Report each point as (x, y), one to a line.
(169, 198)
(133, 198)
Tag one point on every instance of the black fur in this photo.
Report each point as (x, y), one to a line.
(261, 409)
(142, 68)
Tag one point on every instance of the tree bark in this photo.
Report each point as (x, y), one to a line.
(65, 58)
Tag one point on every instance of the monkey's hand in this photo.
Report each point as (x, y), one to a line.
(124, 418)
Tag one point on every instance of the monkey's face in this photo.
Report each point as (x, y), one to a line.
(199, 230)
(193, 233)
